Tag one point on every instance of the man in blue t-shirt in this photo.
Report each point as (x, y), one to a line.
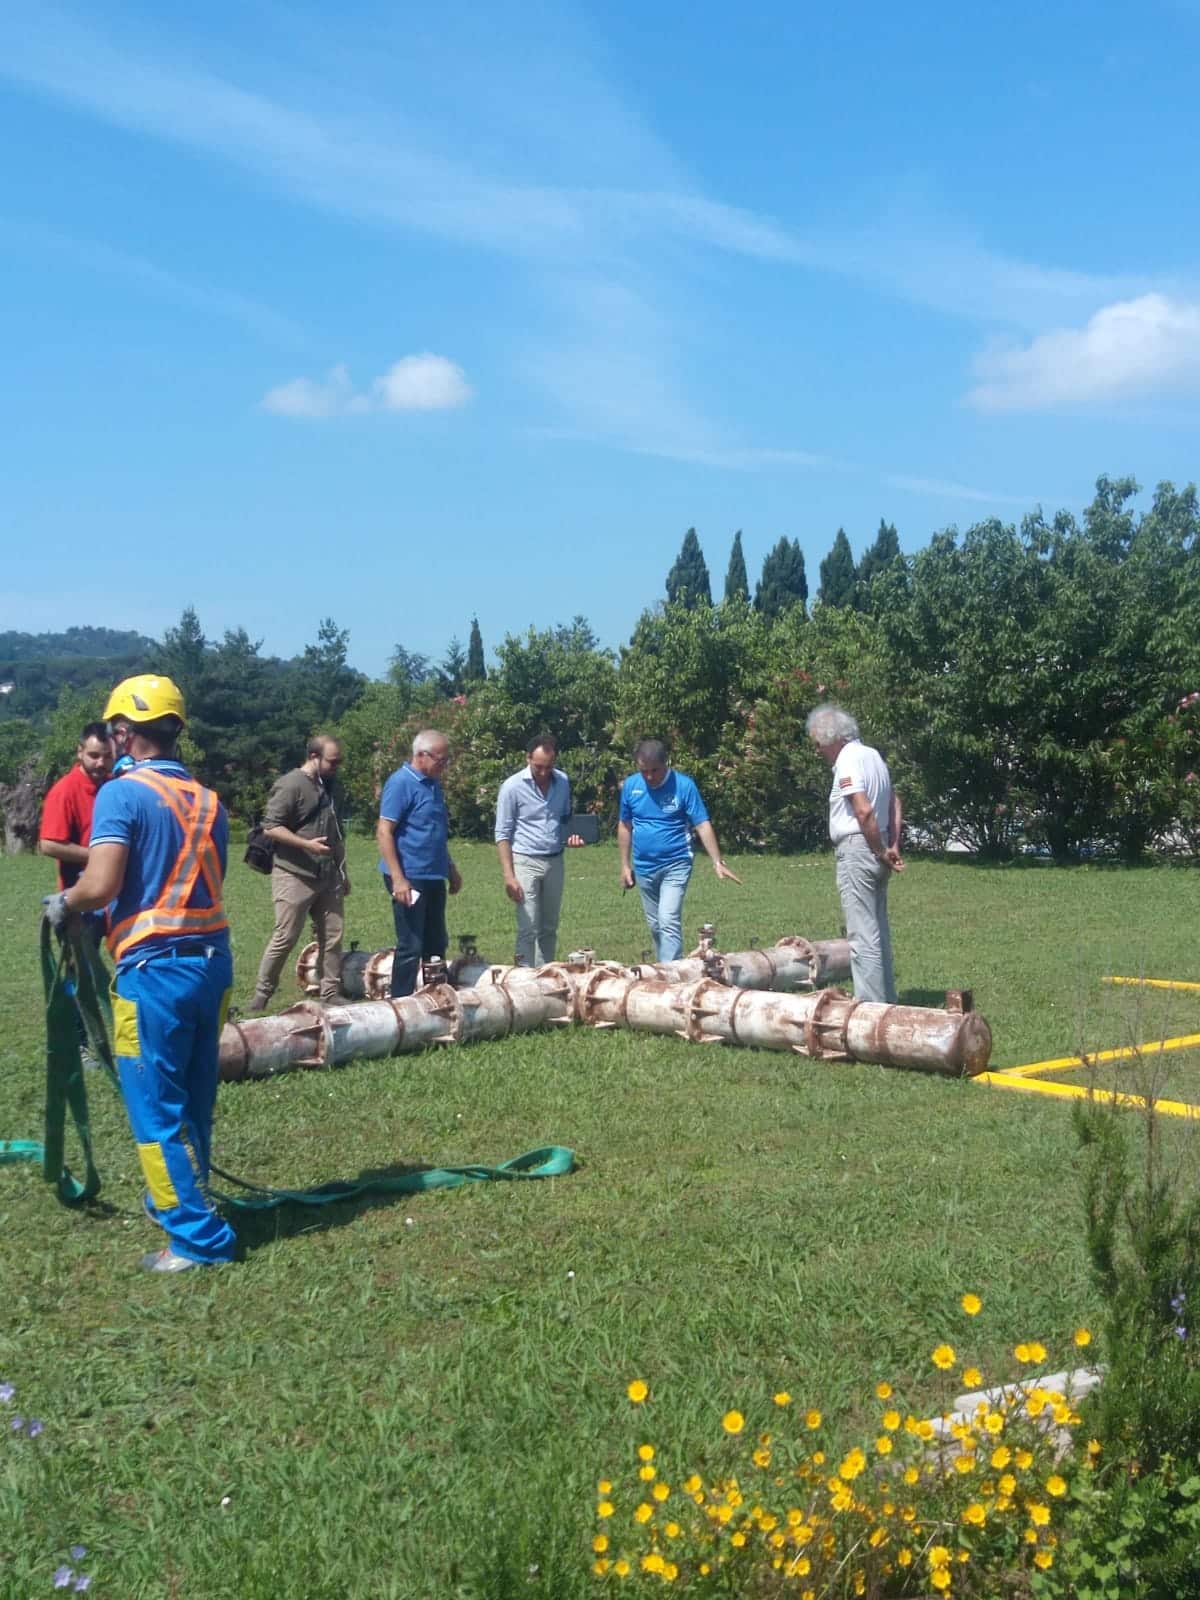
(660, 810)
(157, 861)
(414, 857)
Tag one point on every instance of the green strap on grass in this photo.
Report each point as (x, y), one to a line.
(65, 1090)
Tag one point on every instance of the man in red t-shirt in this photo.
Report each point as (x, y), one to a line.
(67, 809)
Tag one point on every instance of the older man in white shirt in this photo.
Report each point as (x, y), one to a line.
(864, 826)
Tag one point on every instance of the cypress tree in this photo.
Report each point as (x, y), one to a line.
(839, 580)
(737, 583)
(876, 559)
(687, 581)
(476, 670)
(784, 582)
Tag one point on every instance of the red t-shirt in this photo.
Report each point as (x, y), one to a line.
(67, 818)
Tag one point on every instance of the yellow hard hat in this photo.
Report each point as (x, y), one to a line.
(145, 699)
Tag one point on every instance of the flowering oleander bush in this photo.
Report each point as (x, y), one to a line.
(966, 1503)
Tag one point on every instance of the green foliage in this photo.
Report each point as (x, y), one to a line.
(452, 673)
(737, 583)
(1136, 1537)
(784, 583)
(877, 558)
(687, 581)
(839, 578)
(18, 743)
(476, 669)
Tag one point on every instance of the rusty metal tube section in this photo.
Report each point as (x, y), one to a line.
(792, 965)
(367, 974)
(827, 1025)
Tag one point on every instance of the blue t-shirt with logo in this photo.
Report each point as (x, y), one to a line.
(662, 820)
(133, 815)
(416, 807)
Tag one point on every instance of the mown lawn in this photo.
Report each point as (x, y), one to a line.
(415, 1398)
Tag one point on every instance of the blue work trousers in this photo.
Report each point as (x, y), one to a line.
(420, 931)
(662, 895)
(167, 1017)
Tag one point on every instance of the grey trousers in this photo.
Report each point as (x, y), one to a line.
(862, 883)
(294, 900)
(541, 877)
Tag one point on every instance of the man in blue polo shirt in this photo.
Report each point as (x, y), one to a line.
(660, 809)
(412, 835)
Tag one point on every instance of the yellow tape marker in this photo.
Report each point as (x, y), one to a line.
(1187, 1041)
(1073, 1091)
(1157, 983)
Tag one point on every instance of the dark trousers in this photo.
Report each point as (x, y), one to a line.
(420, 931)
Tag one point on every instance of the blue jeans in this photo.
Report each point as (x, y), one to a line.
(420, 931)
(662, 895)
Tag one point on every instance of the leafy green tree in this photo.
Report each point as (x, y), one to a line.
(452, 672)
(326, 685)
(184, 651)
(878, 556)
(839, 579)
(737, 583)
(476, 669)
(784, 582)
(687, 581)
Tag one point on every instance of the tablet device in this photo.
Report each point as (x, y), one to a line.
(585, 824)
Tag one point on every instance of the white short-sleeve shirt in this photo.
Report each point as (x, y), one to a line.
(859, 770)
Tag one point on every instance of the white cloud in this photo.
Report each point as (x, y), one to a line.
(1131, 348)
(421, 383)
(415, 383)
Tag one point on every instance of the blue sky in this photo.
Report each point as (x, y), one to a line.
(405, 314)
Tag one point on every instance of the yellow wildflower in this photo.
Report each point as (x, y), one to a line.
(1082, 1337)
(891, 1420)
(672, 1530)
(670, 1571)
(652, 1562)
(904, 1558)
(644, 1512)
(783, 1398)
(1056, 1485)
(1093, 1447)
(975, 1514)
(637, 1391)
(737, 1540)
(603, 1488)
(852, 1465)
(661, 1491)
(621, 1568)
(645, 1452)
(883, 1391)
(647, 1473)
(802, 1566)
(971, 1304)
(1037, 1352)
(964, 1464)
(761, 1458)
(1000, 1458)
(600, 1543)
(1024, 1460)
(605, 1508)
(1039, 1514)
(940, 1577)
(1007, 1484)
(911, 1475)
(939, 1556)
(883, 1445)
(733, 1422)
(599, 1568)
(812, 1419)
(704, 1569)
(943, 1357)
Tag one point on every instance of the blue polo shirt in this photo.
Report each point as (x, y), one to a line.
(530, 820)
(662, 820)
(416, 808)
(132, 815)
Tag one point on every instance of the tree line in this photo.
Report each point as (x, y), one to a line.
(1033, 686)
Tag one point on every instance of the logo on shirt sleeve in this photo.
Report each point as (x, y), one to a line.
(845, 783)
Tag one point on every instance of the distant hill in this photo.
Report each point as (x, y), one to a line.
(97, 643)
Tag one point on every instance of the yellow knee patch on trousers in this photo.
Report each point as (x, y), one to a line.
(223, 1015)
(125, 1027)
(158, 1179)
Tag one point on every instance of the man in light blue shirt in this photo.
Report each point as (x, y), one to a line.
(531, 809)
(660, 809)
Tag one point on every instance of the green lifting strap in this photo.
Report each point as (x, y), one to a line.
(78, 963)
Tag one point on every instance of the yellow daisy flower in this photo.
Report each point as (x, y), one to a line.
(733, 1422)
(637, 1391)
(943, 1357)
(971, 1304)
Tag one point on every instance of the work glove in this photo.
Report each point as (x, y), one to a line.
(56, 910)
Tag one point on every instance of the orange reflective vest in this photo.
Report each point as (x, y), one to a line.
(172, 915)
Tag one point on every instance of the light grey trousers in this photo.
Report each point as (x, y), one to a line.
(541, 877)
(862, 883)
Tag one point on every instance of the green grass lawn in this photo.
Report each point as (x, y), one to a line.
(415, 1397)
